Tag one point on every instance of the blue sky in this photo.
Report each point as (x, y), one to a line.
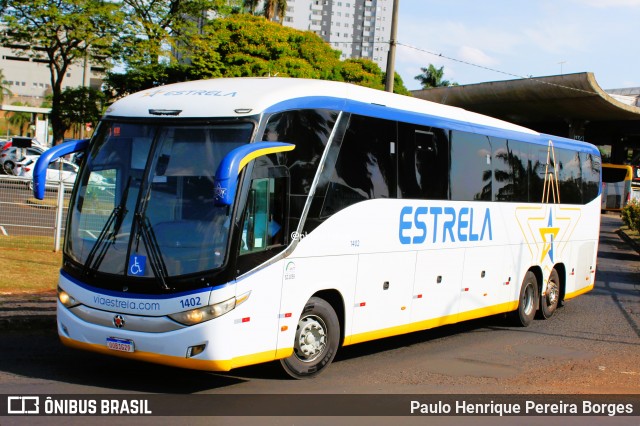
(521, 37)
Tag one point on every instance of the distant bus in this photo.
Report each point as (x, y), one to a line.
(618, 187)
(257, 219)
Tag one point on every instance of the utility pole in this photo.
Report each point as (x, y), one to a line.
(391, 58)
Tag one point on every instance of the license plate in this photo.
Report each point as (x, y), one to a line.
(122, 345)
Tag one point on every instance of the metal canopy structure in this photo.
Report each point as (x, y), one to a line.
(570, 105)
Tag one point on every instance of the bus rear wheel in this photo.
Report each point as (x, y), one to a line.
(528, 301)
(549, 300)
(316, 342)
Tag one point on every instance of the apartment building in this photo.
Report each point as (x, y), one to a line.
(358, 28)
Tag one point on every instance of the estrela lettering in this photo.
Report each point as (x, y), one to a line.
(422, 225)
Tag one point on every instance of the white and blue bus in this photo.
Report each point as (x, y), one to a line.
(240, 221)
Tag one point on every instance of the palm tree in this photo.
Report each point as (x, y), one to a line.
(4, 87)
(20, 119)
(275, 7)
(432, 77)
(250, 5)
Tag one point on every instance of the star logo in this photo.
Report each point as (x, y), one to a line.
(219, 191)
(548, 234)
(547, 230)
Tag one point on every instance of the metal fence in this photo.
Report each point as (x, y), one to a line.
(26, 222)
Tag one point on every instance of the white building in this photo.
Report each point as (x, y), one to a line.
(358, 28)
(29, 80)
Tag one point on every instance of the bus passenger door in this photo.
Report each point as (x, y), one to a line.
(383, 293)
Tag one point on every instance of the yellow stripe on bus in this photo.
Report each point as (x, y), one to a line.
(176, 361)
(260, 152)
(579, 292)
(431, 323)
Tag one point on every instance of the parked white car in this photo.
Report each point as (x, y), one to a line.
(58, 170)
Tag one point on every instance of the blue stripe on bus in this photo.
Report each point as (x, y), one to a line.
(384, 112)
(138, 295)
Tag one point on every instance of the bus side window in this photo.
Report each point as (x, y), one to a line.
(366, 164)
(423, 162)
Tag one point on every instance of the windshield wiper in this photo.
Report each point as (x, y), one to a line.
(153, 248)
(116, 217)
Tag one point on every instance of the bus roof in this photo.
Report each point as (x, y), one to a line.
(234, 97)
(246, 96)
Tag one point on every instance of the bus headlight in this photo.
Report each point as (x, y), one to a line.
(196, 316)
(66, 299)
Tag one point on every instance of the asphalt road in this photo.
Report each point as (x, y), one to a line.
(590, 346)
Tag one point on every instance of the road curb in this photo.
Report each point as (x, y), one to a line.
(628, 240)
(27, 311)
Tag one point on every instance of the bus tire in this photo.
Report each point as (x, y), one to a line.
(549, 300)
(527, 301)
(316, 342)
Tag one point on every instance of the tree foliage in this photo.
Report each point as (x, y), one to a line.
(245, 45)
(62, 32)
(19, 119)
(80, 106)
(433, 77)
(153, 26)
(4, 87)
(273, 8)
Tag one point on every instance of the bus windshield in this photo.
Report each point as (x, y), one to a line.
(144, 205)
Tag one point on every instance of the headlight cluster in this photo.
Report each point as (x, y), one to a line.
(66, 299)
(198, 315)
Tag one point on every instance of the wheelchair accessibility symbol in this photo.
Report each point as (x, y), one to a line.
(137, 264)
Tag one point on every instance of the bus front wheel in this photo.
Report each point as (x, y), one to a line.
(316, 342)
(549, 300)
(528, 301)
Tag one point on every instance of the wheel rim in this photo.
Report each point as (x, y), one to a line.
(527, 300)
(311, 338)
(552, 293)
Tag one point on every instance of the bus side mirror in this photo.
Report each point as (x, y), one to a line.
(49, 156)
(226, 179)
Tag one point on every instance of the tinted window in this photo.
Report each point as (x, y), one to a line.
(309, 130)
(613, 175)
(569, 175)
(591, 166)
(470, 167)
(423, 162)
(365, 168)
(511, 170)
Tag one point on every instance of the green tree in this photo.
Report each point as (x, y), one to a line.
(152, 26)
(246, 45)
(21, 120)
(4, 87)
(243, 45)
(81, 106)
(273, 8)
(62, 32)
(432, 77)
(144, 77)
(250, 6)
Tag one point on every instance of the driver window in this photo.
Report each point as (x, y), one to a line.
(264, 219)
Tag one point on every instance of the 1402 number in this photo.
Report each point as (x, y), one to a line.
(190, 302)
